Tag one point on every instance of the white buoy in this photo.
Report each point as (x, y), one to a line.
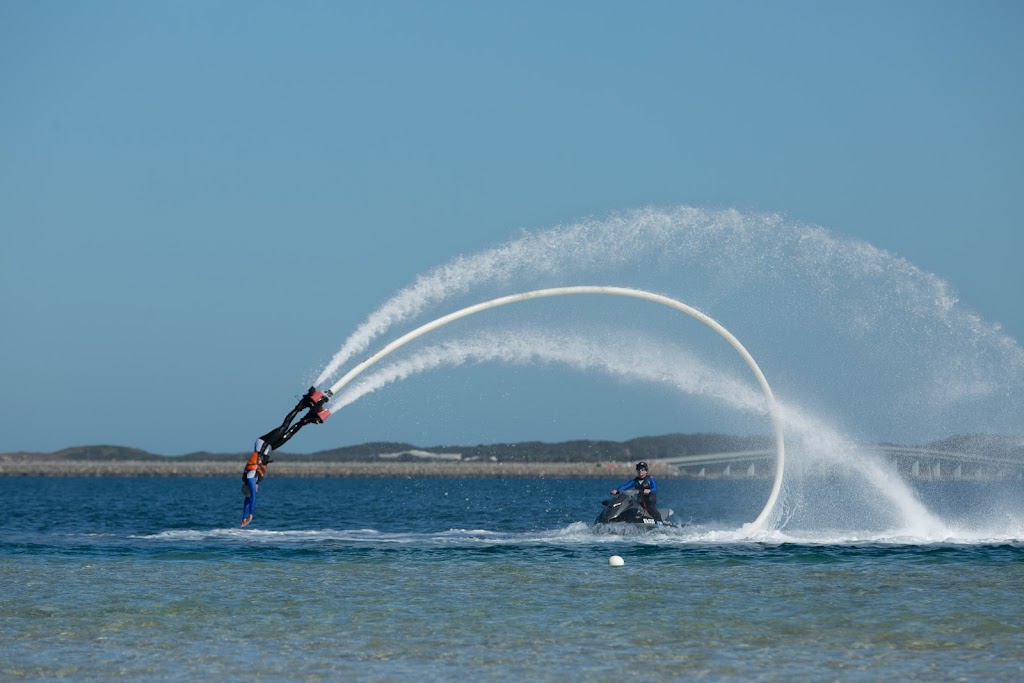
(616, 561)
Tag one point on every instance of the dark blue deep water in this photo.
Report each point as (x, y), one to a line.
(496, 580)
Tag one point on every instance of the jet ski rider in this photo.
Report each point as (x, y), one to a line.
(648, 488)
(256, 467)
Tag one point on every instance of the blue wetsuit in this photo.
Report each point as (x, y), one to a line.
(249, 506)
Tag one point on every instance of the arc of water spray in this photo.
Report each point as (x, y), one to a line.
(780, 449)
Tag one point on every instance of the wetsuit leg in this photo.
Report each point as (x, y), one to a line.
(291, 416)
(288, 433)
(249, 506)
(280, 438)
(650, 504)
(285, 431)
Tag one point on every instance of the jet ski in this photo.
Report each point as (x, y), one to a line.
(623, 509)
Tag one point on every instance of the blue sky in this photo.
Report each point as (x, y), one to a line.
(200, 201)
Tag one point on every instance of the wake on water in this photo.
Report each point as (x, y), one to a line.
(575, 534)
(879, 347)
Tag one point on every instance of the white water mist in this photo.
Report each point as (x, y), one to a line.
(870, 340)
(817, 451)
(881, 342)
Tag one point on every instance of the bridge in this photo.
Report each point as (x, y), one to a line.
(917, 463)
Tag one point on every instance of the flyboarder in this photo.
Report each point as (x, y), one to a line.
(256, 467)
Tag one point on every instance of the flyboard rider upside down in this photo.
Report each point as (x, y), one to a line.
(256, 467)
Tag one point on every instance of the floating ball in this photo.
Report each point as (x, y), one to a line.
(616, 561)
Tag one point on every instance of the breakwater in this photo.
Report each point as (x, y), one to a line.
(170, 468)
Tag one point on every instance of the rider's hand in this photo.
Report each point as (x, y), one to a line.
(614, 491)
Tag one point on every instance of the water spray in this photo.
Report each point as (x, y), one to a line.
(761, 522)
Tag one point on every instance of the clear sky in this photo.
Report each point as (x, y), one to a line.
(200, 201)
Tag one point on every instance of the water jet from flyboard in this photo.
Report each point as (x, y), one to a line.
(760, 523)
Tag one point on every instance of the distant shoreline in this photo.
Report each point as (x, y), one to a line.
(616, 472)
(456, 470)
(672, 456)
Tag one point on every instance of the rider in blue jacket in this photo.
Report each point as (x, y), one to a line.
(648, 488)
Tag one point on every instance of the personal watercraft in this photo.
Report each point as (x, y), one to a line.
(624, 509)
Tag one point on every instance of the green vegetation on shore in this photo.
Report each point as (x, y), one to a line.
(578, 451)
(568, 459)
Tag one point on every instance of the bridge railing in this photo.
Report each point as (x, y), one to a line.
(921, 463)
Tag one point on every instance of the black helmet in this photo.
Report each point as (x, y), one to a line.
(642, 466)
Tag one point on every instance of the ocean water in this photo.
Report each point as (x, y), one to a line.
(496, 580)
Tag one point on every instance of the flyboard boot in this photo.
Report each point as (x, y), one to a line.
(315, 401)
(313, 395)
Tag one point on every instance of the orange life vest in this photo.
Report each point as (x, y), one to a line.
(256, 464)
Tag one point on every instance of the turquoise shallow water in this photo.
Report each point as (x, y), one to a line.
(150, 579)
